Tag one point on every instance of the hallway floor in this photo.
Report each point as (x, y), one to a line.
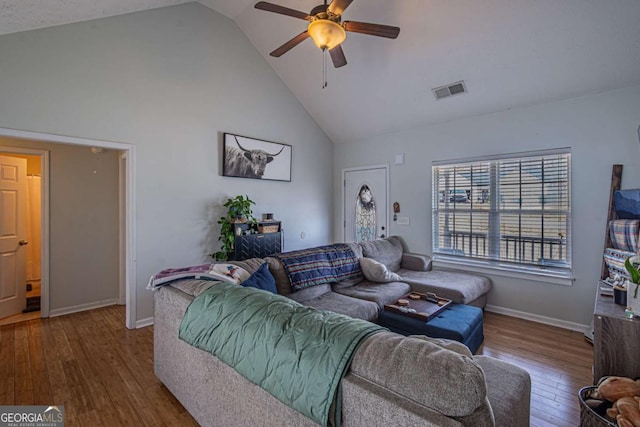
(21, 317)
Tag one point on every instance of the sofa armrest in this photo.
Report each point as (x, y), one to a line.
(508, 390)
(416, 262)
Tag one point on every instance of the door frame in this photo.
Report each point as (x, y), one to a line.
(127, 177)
(384, 166)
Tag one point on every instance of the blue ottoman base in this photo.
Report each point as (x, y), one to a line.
(459, 322)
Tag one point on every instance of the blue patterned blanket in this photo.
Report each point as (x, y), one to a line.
(323, 264)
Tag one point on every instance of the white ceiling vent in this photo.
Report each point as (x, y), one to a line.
(449, 90)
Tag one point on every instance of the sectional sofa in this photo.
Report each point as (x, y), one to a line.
(393, 380)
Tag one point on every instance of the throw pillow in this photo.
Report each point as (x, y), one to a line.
(261, 279)
(229, 273)
(388, 251)
(377, 272)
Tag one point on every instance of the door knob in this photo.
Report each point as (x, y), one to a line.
(23, 242)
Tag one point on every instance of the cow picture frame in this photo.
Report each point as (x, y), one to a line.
(252, 158)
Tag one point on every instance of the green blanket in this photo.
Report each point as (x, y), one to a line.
(296, 353)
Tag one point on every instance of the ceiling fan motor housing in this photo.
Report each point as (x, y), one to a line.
(318, 10)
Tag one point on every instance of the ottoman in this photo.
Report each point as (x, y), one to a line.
(459, 322)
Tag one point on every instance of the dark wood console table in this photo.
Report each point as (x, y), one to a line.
(257, 245)
(616, 341)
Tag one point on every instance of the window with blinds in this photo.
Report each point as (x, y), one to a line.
(513, 210)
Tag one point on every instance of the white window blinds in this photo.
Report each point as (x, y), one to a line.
(514, 210)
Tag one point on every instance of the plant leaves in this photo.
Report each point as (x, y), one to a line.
(633, 271)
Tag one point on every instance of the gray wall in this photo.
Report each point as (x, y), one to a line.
(171, 81)
(601, 131)
(83, 223)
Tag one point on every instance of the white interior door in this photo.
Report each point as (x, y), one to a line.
(13, 232)
(365, 203)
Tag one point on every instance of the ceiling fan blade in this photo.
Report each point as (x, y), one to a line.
(338, 6)
(372, 29)
(290, 44)
(270, 7)
(337, 56)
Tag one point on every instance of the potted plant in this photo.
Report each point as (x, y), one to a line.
(238, 211)
(633, 302)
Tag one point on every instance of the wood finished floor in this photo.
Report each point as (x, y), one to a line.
(103, 373)
(558, 360)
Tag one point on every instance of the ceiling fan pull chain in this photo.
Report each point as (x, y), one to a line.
(324, 68)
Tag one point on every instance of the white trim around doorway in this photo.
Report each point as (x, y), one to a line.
(129, 200)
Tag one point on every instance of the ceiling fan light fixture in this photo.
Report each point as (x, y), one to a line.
(326, 34)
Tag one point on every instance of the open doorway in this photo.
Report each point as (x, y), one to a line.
(126, 204)
(29, 250)
(21, 234)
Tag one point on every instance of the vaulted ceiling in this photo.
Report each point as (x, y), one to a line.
(510, 53)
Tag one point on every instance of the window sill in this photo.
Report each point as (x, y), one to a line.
(554, 277)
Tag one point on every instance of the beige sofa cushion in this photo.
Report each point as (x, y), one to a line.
(453, 384)
(283, 284)
(342, 304)
(386, 251)
(451, 345)
(380, 293)
(458, 286)
(310, 293)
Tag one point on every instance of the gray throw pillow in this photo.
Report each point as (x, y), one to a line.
(387, 251)
(377, 272)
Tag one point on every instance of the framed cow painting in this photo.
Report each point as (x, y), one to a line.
(246, 157)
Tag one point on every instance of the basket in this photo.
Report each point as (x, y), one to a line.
(268, 227)
(593, 417)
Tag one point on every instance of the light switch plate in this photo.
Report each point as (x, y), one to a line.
(403, 220)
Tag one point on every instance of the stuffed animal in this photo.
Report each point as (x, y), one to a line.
(625, 395)
(613, 388)
(626, 411)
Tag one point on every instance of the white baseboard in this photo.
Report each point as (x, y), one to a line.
(537, 318)
(82, 307)
(144, 322)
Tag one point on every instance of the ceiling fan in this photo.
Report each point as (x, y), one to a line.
(326, 28)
